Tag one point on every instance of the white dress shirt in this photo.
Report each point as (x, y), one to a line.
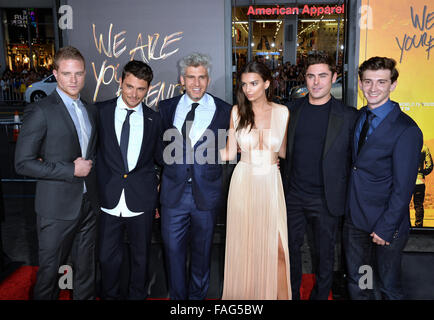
(134, 146)
(203, 115)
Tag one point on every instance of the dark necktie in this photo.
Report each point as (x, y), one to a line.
(365, 128)
(125, 138)
(189, 117)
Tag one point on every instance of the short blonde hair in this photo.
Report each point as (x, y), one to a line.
(68, 52)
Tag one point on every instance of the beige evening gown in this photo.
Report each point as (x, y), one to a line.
(256, 214)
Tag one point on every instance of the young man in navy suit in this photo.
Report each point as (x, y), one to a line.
(386, 150)
(191, 186)
(129, 145)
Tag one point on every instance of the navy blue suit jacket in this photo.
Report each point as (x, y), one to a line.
(140, 184)
(336, 156)
(207, 175)
(383, 176)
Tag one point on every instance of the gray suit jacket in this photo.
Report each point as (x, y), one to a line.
(48, 132)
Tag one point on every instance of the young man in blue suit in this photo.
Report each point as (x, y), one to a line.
(191, 186)
(128, 148)
(386, 150)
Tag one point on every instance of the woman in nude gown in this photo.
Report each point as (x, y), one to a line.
(257, 257)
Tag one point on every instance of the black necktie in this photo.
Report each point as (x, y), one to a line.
(189, 117)
(125, 138)
(365, 128)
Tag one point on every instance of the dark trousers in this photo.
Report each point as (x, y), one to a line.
(57, 240)
(186, 227)
(111, 248)
(362, 254)
(418, 199)
(302, 212)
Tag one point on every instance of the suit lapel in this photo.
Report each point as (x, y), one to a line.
(353, 145)
(172, 111)
(64, 113)
(92, 121)
(381, 131)
(212, 123)
(147, 126)
(333, 128)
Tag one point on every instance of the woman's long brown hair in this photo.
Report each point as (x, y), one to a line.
(245, 112)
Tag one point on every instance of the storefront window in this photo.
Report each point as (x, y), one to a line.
(29, 37)
(282, 36)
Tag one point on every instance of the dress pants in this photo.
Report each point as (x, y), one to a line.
(111, 248)
(303, 211)
(59, 238)
(182, 226)
(385, 262)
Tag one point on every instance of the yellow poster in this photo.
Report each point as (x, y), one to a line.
(404, 30)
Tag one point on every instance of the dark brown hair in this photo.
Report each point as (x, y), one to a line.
(378, 63)
(320, 58)
(139, 69)
(245, 112)
(67, 53)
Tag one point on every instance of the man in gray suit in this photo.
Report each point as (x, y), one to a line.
(57, 146)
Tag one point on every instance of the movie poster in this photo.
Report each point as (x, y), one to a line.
(404, 30)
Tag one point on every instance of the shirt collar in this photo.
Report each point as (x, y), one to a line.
(204, 101)
(121, 105)
(67, 100)
(383, 110)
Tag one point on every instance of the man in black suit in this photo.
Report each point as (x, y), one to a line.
(316, 172)
(130, 141)
(57, 146)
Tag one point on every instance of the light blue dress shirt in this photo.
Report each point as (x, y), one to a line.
(380, 113)
(67, 100)
(203, 115)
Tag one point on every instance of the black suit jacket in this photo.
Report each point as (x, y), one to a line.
(336, 156)
(48, 132)
(141, 183)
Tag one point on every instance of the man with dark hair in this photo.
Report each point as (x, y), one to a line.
(191, 190)
(57, 146)
(129, 145)
(316, 172)
(385, 156)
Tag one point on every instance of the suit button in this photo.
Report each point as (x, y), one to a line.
(354, 168)
(125, 176)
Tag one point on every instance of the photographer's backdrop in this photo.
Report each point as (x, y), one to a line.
(110, 33)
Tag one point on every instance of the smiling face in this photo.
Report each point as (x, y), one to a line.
(133, 90)
(254, 86)
(196, 81)
(377, 86)
(319, 80)
(70, 76)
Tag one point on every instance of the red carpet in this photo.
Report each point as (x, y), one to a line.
(19, 285)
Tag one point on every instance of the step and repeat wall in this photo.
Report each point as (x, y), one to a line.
(110, 33)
